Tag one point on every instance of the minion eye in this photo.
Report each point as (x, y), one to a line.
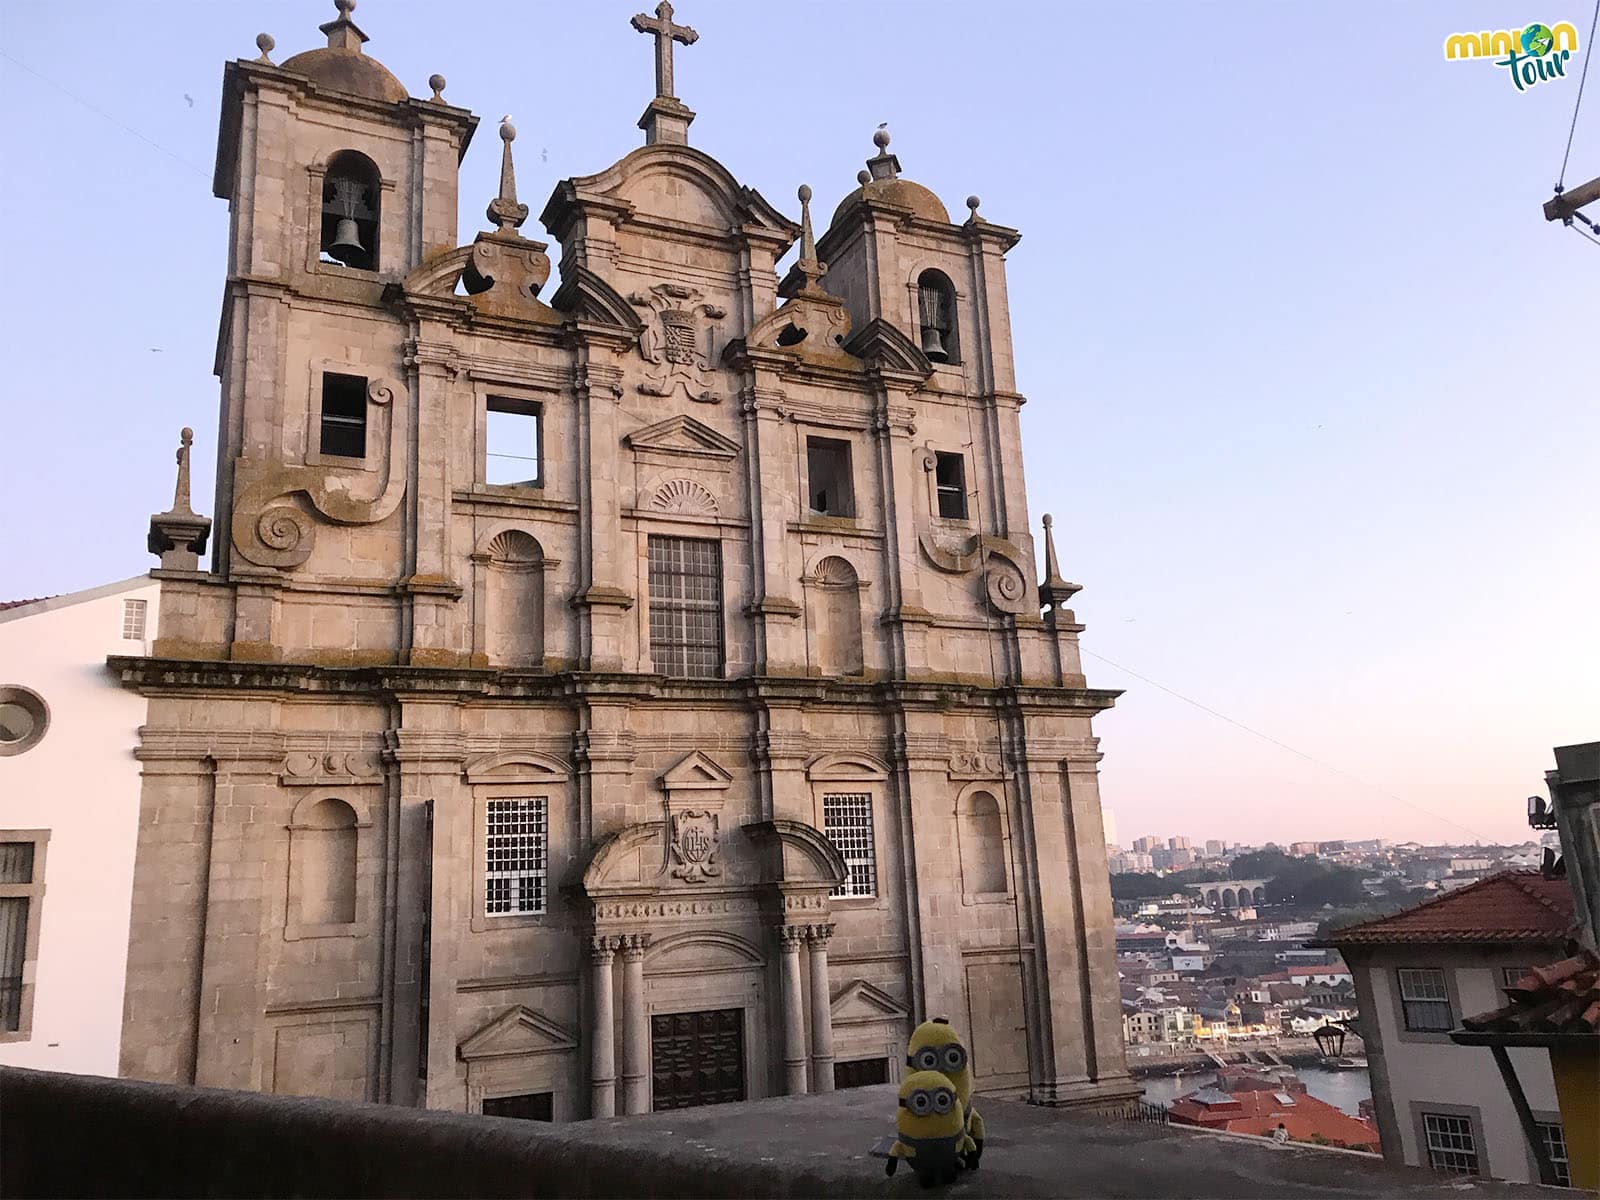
(942, 1101)
(921, 1103)
(954, 1059)
(928, 1060)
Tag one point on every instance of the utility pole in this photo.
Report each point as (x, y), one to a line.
(1564, 206)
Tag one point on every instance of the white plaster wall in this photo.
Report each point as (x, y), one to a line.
(81, 782)
(1466, 1075)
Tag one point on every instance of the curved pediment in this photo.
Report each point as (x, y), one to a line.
(588, 297)
(703, 950)
(797, 853)
(881, 344)
(630, 858)
(668, 180)
(517, 766)
(846, 765)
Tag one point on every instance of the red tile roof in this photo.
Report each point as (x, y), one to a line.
(1305, 1119)
(1561, 998)
(5, 604)
(1509, 907)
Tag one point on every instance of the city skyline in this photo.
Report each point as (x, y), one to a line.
(1341, 514)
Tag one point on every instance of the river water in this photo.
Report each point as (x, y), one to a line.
(1342, 1089)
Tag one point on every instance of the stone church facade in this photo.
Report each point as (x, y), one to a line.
(621, 695)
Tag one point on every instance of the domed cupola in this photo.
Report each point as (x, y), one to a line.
(340, 66)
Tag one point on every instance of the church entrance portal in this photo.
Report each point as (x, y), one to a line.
(697, 1058)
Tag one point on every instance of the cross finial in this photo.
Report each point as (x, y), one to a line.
(665, 34)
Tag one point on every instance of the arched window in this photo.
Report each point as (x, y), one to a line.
(350, 200)
(936, 305)
(983, 847)
(836, 607)
(514, 614)
(322, 863)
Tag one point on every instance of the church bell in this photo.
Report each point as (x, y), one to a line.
(346, 242)
(933, 344)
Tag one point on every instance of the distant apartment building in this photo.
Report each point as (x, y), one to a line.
(1169, 1024)
(1144, 845)
(1336, 847)
(1303, 849)
(1177, 843)
(1417, 973)
(1215, 848)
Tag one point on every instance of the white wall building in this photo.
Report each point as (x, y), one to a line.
(1417, 974)
(69, 808)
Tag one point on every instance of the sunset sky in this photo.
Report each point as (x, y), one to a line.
(1313, 389)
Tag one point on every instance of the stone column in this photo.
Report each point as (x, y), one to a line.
(602, 1030)
(821, 1009)
(794, 1024)
(635, 1026)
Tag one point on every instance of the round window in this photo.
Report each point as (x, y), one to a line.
(23, 719)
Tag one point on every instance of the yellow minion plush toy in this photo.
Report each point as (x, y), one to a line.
(929, 1128)
(935, 1046)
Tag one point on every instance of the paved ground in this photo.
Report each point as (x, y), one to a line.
(818, 1146)
(74, 1135)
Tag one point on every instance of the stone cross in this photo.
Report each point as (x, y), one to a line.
(665, 34)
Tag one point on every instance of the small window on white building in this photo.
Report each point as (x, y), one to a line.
(847, 822)
(516, 857)
(1451, 1146)
(1555, 1145)
(511, 442)
(21, 891)
(133, 618)
(1425, 1001)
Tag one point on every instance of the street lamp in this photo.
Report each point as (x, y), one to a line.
(1330, 1040)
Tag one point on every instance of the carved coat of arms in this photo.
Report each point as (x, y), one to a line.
(694, 846)
(676, 340)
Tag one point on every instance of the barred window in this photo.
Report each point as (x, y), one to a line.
(686, 606)
(1425, 1001)
(1450, 1144)
(1555, 1145)
(516, 857)
(847, 822)
(133, 616)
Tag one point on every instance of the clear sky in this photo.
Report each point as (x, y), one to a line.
(1313, 389)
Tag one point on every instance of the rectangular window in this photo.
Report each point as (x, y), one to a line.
(1555, 1145)
(950, 481)
(511, 442)
(831, 490)
(1450, 1144)
(863, 1072)
(20, 893)
(344, 415)
(1511, 976)
(516, 853)
(1425, 1001)
(133, 615)
(535, 1106)
(847, 822)
(686, 606)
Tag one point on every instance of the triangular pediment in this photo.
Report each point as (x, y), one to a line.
(882, 345)
(517, 1031)
(696, 772)
(682, 435)
(586, 296)
(859, 1002)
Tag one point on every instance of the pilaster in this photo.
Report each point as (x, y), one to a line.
(605, 581)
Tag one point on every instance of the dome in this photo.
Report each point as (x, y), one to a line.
(903, 192)
(348, 71)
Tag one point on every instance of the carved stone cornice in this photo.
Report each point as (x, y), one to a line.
(435, 358)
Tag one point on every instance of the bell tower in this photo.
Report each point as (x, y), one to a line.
(338, 183)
